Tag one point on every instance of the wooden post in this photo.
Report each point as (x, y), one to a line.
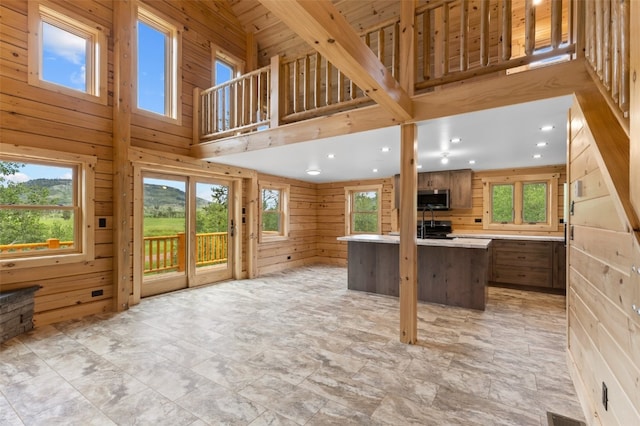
(529, 27)
(252, 53)
(197, 116)
(484, 31)
(625, 54)
(407, 46)
(253, 195)
(182, 250)
(408, 248)
(634, 108)
(464, 35)
(124, 24)
(274, 92)
(506, 30)
(426, 44)
(577, 23)
(53, 243)
(556, 23)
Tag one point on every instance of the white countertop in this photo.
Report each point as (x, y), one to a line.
(508, 237)
(475, 243)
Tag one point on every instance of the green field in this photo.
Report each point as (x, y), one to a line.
(157, 226)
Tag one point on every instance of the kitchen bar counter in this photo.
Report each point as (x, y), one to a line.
(450, 271)
(479, 243)
(508, 237)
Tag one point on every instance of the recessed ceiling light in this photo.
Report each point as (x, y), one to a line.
(541, 144)
(472, 161)
(331, 156)
(455, 140)
(419, 166)
(385, 149)
(375, 170)
(537, 156)
(313, 172)
(546, 128)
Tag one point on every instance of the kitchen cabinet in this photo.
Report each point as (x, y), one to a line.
(458, 182)
(433, 180)
(461, 194)
(529, 263)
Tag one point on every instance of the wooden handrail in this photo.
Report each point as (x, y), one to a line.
(168, 252)
(309, 86)
(50, 244)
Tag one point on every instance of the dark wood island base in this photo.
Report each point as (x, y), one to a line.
(447, 273)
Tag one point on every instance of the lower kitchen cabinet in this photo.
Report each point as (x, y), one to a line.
(529, 263)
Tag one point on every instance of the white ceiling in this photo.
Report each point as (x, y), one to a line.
(497, 138)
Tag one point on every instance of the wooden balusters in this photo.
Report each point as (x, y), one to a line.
(484, 32)
(530, 27)
(625, 16)
(506, 31)
(464, 34)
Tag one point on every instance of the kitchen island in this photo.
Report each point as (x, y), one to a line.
(450, 271)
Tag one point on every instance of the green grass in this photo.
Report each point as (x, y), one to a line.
(156, 226)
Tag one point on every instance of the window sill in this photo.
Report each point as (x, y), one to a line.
(34, 262)
(273, 239)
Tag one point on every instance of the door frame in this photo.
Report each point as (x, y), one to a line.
(235, 208)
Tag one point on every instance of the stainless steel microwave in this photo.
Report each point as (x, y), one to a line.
(433, 199)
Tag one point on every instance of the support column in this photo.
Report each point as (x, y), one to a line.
(123, 24)
(634, 108)
(408, 246)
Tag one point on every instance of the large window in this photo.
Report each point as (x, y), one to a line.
(67, 52)
(157, 67)
(524, 202)
(46, 207)
(274, 218)
(363, 210)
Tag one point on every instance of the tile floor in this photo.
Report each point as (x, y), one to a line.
(294, 348)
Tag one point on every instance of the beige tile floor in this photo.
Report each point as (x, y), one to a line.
(293, 348)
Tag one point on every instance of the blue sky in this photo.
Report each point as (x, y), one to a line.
(64, 58)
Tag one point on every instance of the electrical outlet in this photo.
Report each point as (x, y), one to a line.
(96, 293)
(605, 396)
(477, 220)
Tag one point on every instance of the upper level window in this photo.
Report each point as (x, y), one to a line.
(46, 207)
(67, 52)
(158, 84)
(363, 210)
(223, 72)
(274, 217)
(525, 202)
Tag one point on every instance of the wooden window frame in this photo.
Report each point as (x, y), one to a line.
(349, 191)
(217, 54)
(96, 53)
(84, 240)
(551, 181)
(173, 65)
(284, 212)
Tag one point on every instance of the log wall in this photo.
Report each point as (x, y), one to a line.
(35, 117)
(300, 247)
(331, 217)
(603, 331)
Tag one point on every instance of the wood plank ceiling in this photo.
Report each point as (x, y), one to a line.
(275, 38)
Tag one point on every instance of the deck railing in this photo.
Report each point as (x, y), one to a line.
(50, 244)
(455, 40)
(168, 252)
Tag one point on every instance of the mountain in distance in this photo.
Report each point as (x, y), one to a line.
(61, 193)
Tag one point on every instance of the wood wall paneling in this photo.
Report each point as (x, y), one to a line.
(602, 327)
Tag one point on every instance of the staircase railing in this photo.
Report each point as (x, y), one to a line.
(607, 49)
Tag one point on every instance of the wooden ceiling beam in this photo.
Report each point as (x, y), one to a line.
(322, 26)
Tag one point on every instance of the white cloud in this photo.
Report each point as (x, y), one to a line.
(17, 178)
(64, 44)
(67, 176)
(80, 77)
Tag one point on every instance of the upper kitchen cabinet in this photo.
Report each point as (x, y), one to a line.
(461, 189)
(458, 182)
(433, 180)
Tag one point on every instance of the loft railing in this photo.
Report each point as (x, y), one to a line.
(456, 40)
(238, 105)
(607, 48)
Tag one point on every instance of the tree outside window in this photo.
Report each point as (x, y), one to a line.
(527, 202)
(46, 208)
(363, 209)
(273, 214)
